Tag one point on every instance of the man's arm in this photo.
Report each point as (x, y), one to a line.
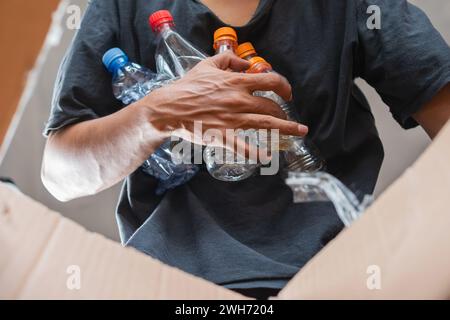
(434, 115)
(91, 156)
(86, 158)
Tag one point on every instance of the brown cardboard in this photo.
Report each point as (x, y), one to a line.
(38, 246)
(404, 234)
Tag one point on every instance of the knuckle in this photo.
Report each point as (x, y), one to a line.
(227, 54)
(236, 99)
(242, 123)
(226, 117)
(265, 121)
(238, 79)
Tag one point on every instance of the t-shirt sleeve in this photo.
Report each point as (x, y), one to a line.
(407, 61)
(83, 88)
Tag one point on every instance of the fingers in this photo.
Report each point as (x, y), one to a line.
(256, 121)
(263, 106)
(269, 82)
(226, 61)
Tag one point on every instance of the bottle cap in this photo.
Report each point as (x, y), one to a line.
(246, 49)
(257, 60)
(225, 33)
(160, 17)
(112, 57)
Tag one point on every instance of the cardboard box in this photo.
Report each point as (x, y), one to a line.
(399, 249)
(45, 256)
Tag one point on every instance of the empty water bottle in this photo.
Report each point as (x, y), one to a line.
(174, 56)
(298, 155)
(224, 164)
(132, 82)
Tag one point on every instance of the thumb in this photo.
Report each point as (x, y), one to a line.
(228, 60)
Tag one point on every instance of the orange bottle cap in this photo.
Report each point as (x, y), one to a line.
(225, 33)
(246, 49)
(258, 60)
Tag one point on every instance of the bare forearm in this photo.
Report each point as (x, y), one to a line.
(92, 156)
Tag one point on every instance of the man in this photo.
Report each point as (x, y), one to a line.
(247, 236)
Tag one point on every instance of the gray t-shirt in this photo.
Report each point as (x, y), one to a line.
(250, 234)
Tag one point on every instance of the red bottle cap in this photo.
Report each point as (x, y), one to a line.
(160, 17)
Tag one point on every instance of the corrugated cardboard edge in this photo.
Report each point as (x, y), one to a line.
(399, 249)
(45, 256)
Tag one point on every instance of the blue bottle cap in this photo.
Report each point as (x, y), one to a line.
(114, 58)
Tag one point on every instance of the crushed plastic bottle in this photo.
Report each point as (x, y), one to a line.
(298, 155)
(223, 164)
(132, 82)
(320, 187)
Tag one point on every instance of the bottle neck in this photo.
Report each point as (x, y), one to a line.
(260, 67)
(164, 29)
(226, 45)
(250, 56)
(118, 64)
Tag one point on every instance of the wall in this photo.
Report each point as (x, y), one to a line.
(19, 48)
(97, 213)
(23, 160)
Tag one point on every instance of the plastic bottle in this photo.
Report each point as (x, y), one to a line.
(132, 82)
(174, 56)
(223, 164)
(299, 156)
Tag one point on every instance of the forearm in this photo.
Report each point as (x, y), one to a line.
(92, 156)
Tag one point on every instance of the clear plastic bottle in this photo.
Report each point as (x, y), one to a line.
(132, 82)
(223, 164)
(299, 156)
(174, 56)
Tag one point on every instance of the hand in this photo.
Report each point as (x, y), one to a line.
(221, 100)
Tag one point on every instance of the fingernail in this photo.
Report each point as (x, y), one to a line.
(303, 129)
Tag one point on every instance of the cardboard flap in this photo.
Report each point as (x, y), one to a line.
(21, 240)
(399, 249)
(45, 256)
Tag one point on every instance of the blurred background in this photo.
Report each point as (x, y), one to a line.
(20, 156)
